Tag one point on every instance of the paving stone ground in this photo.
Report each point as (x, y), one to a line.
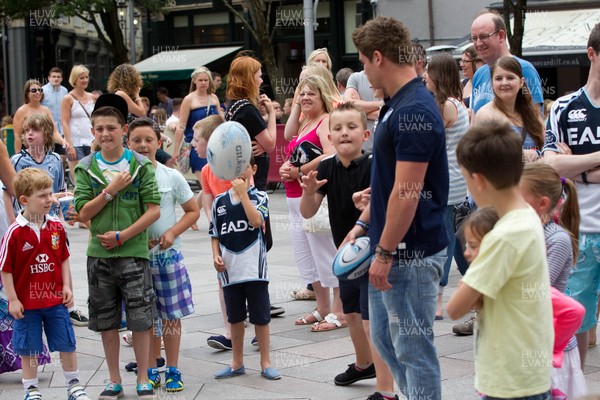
(307, 361)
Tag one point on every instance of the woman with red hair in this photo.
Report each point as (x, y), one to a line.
(243, 90)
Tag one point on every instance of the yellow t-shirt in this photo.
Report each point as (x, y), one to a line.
(514, 335)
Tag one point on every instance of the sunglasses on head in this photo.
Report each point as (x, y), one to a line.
(34, 90)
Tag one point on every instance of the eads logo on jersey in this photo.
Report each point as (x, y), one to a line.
(42, 264)
(55, 240)
(577, 115)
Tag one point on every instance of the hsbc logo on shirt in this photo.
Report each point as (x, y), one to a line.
(42, 266)
(577, 115)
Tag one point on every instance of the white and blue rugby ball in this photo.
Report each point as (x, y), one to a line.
(353, 260)
(228, 150)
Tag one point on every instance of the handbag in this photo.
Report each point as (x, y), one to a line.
(320, 221)
(304, 152)
(184, 158)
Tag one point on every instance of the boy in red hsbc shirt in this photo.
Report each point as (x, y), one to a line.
(34, 265)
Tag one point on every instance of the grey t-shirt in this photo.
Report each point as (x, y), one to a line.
(359, 82)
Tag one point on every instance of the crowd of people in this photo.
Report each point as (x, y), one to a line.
(431, 168)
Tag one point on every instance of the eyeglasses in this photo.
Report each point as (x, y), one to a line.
(483, 38)
(463, 62)
(34, 90)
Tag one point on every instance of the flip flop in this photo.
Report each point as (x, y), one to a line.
(331, 319)
(229, 372)
(305, 320)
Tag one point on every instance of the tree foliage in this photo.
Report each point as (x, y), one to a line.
(517, 9)
(102, 14)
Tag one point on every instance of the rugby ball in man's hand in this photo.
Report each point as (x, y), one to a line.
(353, 260)
(228, 150)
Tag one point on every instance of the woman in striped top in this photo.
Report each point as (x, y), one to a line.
(442, 78)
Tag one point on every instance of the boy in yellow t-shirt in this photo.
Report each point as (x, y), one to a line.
(508, 281)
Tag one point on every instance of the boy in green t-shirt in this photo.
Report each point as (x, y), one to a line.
(508, 281)
(116, 189)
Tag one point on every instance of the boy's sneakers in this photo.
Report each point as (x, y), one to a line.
(173, 381)
(353, 375)
(254, 341)
(379, 396)
(78, 319)
(112, 391)
(145, 391)
(33, 393)
(276, 311)
(154, 377)
(160, 365)
(464, 328)
(219, 342)
(76, 392)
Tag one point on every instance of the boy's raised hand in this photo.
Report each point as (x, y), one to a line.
(16, 309)
(362, 199)
(310, 184)
(240, 187)
(119, 182)
(219, 264)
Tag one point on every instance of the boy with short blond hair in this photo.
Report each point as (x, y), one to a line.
(116, 189)
(338, 177)
(508, 281)
(35, 271)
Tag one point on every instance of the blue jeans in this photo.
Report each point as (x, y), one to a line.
(402, 325)
(454, 248)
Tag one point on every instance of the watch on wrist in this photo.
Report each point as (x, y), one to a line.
(584, 177)
(107, 196)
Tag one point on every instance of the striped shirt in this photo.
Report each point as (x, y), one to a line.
(458, 186)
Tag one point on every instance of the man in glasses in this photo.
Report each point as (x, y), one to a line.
(488, 34)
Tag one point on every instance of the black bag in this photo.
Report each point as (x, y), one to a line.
(304, 152)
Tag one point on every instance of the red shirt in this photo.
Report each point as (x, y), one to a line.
(35, 262)
(211, 184)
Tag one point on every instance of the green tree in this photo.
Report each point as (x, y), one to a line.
(517, 9)
(102, 14)
(259, 12)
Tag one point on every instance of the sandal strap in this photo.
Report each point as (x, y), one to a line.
(333, 319)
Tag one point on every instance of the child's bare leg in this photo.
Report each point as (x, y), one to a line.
(359, 339)
(582, 345)
(237, 344)
(141, 348)
(323, 300)
(172, 338)
(110, 342)
(384, 379)
(226, 323)
(154, 353)
(68, 361)
(29, 365)
(262, 335)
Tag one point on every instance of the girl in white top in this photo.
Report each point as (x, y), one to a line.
(442, 78)
(76, 114)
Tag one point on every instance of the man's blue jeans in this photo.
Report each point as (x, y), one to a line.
(402, 325)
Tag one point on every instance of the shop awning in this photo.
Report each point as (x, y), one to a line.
(179, 64)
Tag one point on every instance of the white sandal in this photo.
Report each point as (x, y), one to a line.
(303, 321)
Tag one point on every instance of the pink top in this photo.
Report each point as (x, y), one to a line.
(293, 189)
(568, 314)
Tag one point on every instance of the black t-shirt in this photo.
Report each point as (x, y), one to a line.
(341, 184)
(251, 119)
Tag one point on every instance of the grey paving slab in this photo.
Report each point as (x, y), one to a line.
(307, 361)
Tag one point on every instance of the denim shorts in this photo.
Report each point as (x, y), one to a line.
(27, 331)
(82, 151)
(112, 281)
(354, 294)
(256, 293)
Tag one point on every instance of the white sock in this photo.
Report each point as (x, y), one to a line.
(70, 375)
(73, 308)
(30, 382)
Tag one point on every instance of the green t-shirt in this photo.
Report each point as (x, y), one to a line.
(514, 330)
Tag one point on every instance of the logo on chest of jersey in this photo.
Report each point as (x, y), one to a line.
(221, 210)
(55, 240)
(27, 247)
(577, 115)
(42, 266)
(236, 226)
(587, 136)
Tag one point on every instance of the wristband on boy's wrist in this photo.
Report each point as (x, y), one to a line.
(363, 225)
(383, 255)
(117, 237)
(584, 177)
